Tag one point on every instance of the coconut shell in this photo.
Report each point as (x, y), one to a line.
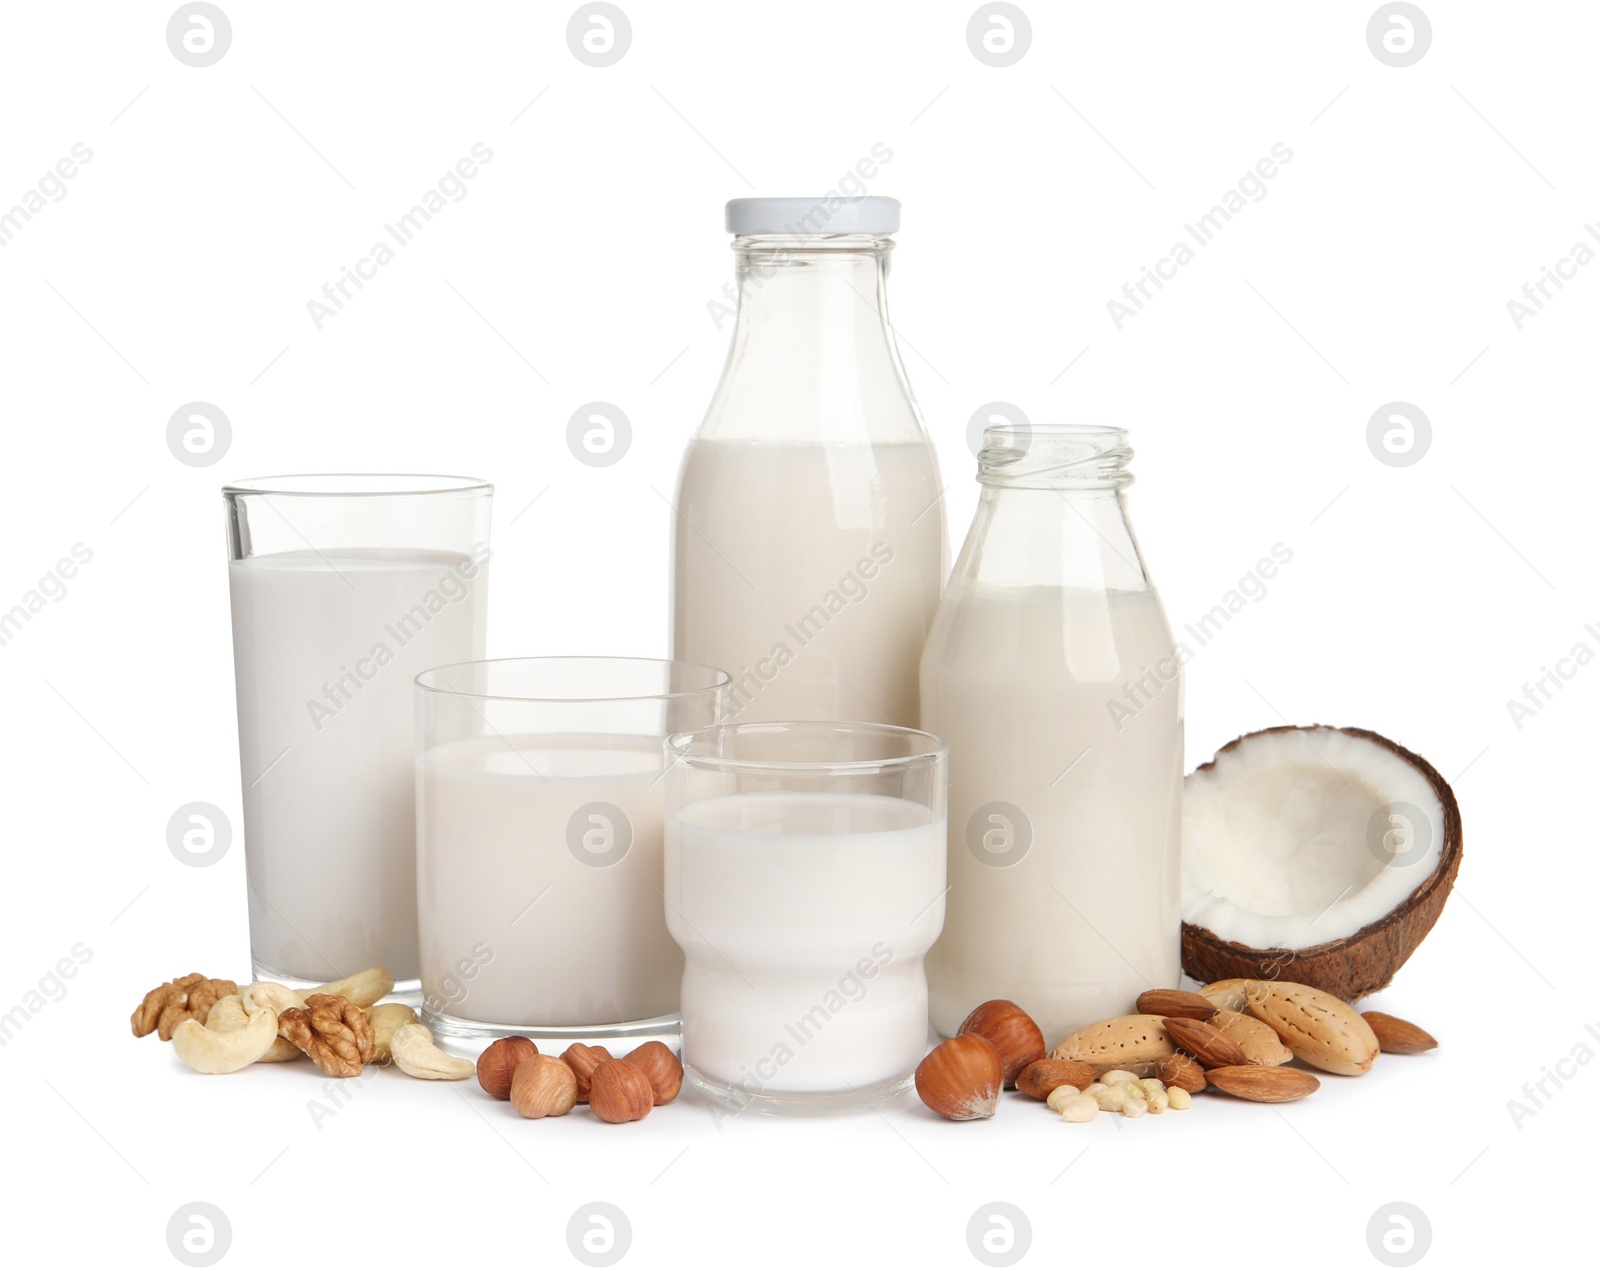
(1358, 964)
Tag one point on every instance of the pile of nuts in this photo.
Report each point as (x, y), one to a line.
(616, 1090)
(1235, 1036)
(1117, 1091)
(216, 1027)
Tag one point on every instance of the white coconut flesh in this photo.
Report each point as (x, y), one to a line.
(1292, 839)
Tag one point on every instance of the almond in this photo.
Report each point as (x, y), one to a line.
(1175, 1003)
(1226, 995)
(1183, 1072)
(1042, 1076)
(1397, 1036)
(1132, 1042)
(1323, 1031)
(1212, 1048)
(1261, 1084)
(1260, 1044)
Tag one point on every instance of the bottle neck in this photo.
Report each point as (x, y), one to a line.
(812, 345)
(1069, 460)
(1052, 513)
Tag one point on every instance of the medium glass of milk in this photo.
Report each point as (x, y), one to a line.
(805, 881)
(539, 876)
(343, 588)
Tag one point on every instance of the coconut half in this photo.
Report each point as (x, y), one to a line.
(1317, 855)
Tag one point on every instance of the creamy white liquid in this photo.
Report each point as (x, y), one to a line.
(804, 919)
(520, 929)
(1018, 682)
(810, 574)
(325, 649)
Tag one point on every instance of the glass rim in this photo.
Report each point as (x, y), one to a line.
(357, 485)
(717, 680)
(1029, 456)
(928, 750)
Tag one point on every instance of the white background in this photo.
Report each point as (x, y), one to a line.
(579, 267)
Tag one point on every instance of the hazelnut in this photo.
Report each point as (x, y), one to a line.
(960, 1079)
(543, 1086)
(661, 1067)
(618, 1091)
(1042, 1076)
(499, 1061)
(583, 1060)
(1011, 1031)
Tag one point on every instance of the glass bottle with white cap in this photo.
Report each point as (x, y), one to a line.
(809, 542)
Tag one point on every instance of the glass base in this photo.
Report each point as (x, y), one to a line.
(470, 1037)
(407, 991)
(798, 1103)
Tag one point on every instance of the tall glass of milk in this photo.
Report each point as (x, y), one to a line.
(805, 882)
(809, 543)
(1052, 673)
(539, 874)
(343, 589)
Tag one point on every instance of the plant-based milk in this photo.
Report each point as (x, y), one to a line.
(804, 918)
(326, 646)
(1063, 712)
(539, 874)
(810, 573)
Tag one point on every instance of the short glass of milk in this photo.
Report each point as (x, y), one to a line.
(805, 881)
(539, 873)
(343, 588)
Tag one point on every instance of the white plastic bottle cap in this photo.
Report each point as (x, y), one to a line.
(826, 214)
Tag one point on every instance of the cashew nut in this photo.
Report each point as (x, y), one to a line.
(281, 1051)
(213, 1052)
(227, 1014)
(414, 1054)
(363, 989)
(386, 1020)
(275, 997)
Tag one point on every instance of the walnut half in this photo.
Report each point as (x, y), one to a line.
(335, 1032)
(168, 1005)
